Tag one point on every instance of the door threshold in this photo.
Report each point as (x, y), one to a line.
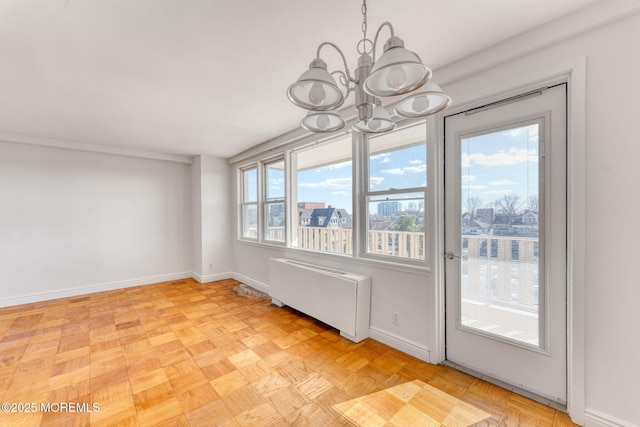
(530, 395)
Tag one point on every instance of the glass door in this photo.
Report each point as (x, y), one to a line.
(506, 238)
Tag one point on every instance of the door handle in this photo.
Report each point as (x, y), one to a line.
(451, 255)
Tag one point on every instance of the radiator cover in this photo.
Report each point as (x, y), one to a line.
(337, 298)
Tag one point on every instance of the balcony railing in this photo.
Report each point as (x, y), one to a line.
(501, 270)
(500, 286)
(339, 240)
(336, 240)
(404, 244)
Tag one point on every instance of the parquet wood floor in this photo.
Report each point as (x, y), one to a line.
(188, 354)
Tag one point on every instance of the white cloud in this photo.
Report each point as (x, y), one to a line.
(331, 183)
(531, 132)
(339, 193)
(408, 169)
(515, 133)
(384, 157)
(375, 180)
(415, 162)
(276, 183)
(474, 187)
(467, 178)
(416, 169)
(512, 157)
(394, 171)
(499, 192)
(464, 160)
(339, 165)
(503, 182)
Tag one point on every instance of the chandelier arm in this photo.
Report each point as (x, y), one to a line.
(344, 81)
(375, 40)
(344, 60)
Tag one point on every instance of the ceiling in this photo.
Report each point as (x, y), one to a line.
(209, 76)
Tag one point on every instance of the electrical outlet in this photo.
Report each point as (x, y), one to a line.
(395, 318)
(210, 266)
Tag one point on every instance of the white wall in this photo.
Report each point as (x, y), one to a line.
(606, 34)
(73, 222)
(612, 287)
(211, 218)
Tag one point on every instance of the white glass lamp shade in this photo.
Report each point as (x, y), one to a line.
(424, 102)
(396, 72)
(322, 121)
(379, 122)
(316, 89)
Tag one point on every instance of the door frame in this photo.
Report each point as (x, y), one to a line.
(574, 74)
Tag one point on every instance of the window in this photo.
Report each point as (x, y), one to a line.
(304, 198)
(249, 202)
(323, 187)
(274, 203)
(395, 194)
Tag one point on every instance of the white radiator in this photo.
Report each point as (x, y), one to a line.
(337, 298)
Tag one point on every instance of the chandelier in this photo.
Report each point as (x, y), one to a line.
(398, 71)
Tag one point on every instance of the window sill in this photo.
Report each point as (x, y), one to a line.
(366, 260)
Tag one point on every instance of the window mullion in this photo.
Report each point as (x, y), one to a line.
(396, 191)
(361, 183)
(261, 204)
(291, 196)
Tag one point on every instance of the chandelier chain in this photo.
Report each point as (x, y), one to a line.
(363, 47)
(364, 20)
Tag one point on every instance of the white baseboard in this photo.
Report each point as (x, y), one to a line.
(262, 287)
(83, 290)
(211, 277)
(593, 418)
(400, 343)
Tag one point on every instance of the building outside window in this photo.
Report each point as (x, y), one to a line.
(324, 191)
(395, 194)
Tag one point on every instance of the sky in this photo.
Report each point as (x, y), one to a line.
(500, 163)
(404, 168)
(491, 166)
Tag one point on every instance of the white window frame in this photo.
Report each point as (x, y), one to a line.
(360, 195)
(266, 203)
(293, 197)
(365, 194)
(242, 193)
